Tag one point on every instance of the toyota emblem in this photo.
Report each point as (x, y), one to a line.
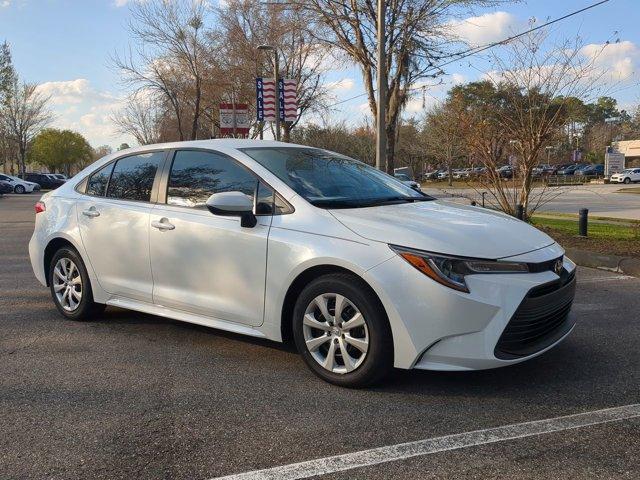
(557, 267)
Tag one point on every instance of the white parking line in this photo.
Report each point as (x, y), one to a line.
(612, 278)
(402, 451)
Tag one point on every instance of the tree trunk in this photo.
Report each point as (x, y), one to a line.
(286, 132)
(196, 112)
(391, 147)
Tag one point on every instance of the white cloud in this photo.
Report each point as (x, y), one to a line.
(5, 3)
(120, 3)
(78, 106)
(620, 60)
(487, 28)
(342, 85)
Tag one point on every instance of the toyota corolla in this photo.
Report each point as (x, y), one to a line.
(284, 241)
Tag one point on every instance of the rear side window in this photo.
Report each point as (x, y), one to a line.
(132, 177)
(97, 184)
(196, 175)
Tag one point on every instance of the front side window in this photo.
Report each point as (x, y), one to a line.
(196, 175)
(132, 177)
(329, 180)
(97, 184)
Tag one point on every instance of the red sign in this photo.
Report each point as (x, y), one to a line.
(234, 120)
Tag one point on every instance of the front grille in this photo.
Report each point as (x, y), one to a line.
(541, 319)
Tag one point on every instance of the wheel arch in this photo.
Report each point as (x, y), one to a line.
(55, 244)
(302, 280)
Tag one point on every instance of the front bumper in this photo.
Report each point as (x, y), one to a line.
(437, 328)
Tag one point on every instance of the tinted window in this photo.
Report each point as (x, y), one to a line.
(330, 180)
(6, 179)
(133, 176)
(264, 200)
(97, 184)
(195, 176)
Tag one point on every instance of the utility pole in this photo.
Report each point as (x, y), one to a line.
(276, 80)
(381, 136)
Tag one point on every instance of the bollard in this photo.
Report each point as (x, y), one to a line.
(583, 220)
(520, 212)
(483, 194)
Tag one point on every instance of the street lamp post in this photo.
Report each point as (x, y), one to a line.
(381, 140)
(275, 78)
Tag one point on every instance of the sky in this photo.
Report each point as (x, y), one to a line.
(65, 46)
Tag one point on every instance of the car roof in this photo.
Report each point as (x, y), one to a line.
(212, 143)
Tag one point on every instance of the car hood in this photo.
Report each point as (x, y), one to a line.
(443, 227)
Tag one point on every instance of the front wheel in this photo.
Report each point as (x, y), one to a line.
(627, 180)
(342, 332)
(19, 189)
(70, 286)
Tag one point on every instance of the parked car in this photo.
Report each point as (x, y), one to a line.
(59, 176)
(19, 185)
(630, 175)
(571, 169)
(443, 174)
(45, 181)
(404, 178)
(591, 170)
(462, 173)
(556, 168)
(430, 175)
(506, 171)
(276, 240)
(5, 187)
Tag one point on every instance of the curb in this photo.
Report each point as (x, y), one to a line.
(614, 263)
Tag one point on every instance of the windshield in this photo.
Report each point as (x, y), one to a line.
(329, 180)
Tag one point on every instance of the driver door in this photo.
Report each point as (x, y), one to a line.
(203, 263)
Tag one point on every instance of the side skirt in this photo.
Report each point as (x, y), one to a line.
(184, 316)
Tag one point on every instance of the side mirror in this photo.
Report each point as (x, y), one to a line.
(233, 204)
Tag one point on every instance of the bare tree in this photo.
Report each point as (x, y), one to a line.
(539, 82)
(443, 137)
(417, 38)
(140, 118)
(170, 57)
(24, 114)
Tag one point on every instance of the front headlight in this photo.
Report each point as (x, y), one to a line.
(451, 271)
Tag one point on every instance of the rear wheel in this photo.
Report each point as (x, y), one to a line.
(19, 189)
(70, 286)
(341, 331)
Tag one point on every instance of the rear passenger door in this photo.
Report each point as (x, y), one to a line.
(113, 215)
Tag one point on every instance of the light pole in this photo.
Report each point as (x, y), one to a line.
(275, 79)
(381, 139)
(549, 148)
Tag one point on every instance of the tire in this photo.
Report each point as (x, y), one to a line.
(79, 309)
(372, 328)
(627, 180)
(19, 189)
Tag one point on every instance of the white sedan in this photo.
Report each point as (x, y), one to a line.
(630, 175)
(282, 241)
(19, 185)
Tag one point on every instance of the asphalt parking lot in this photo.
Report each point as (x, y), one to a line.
(138, 396)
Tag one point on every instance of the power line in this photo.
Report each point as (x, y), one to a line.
(473, 51)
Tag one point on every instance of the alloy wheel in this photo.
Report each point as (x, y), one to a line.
(335, 333)
(67, 284)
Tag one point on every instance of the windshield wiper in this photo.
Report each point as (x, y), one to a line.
(355, 203)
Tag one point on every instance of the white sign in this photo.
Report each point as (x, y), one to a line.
(613, 163)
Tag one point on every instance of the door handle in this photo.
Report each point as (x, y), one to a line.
(163, 224)
(91, 213)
